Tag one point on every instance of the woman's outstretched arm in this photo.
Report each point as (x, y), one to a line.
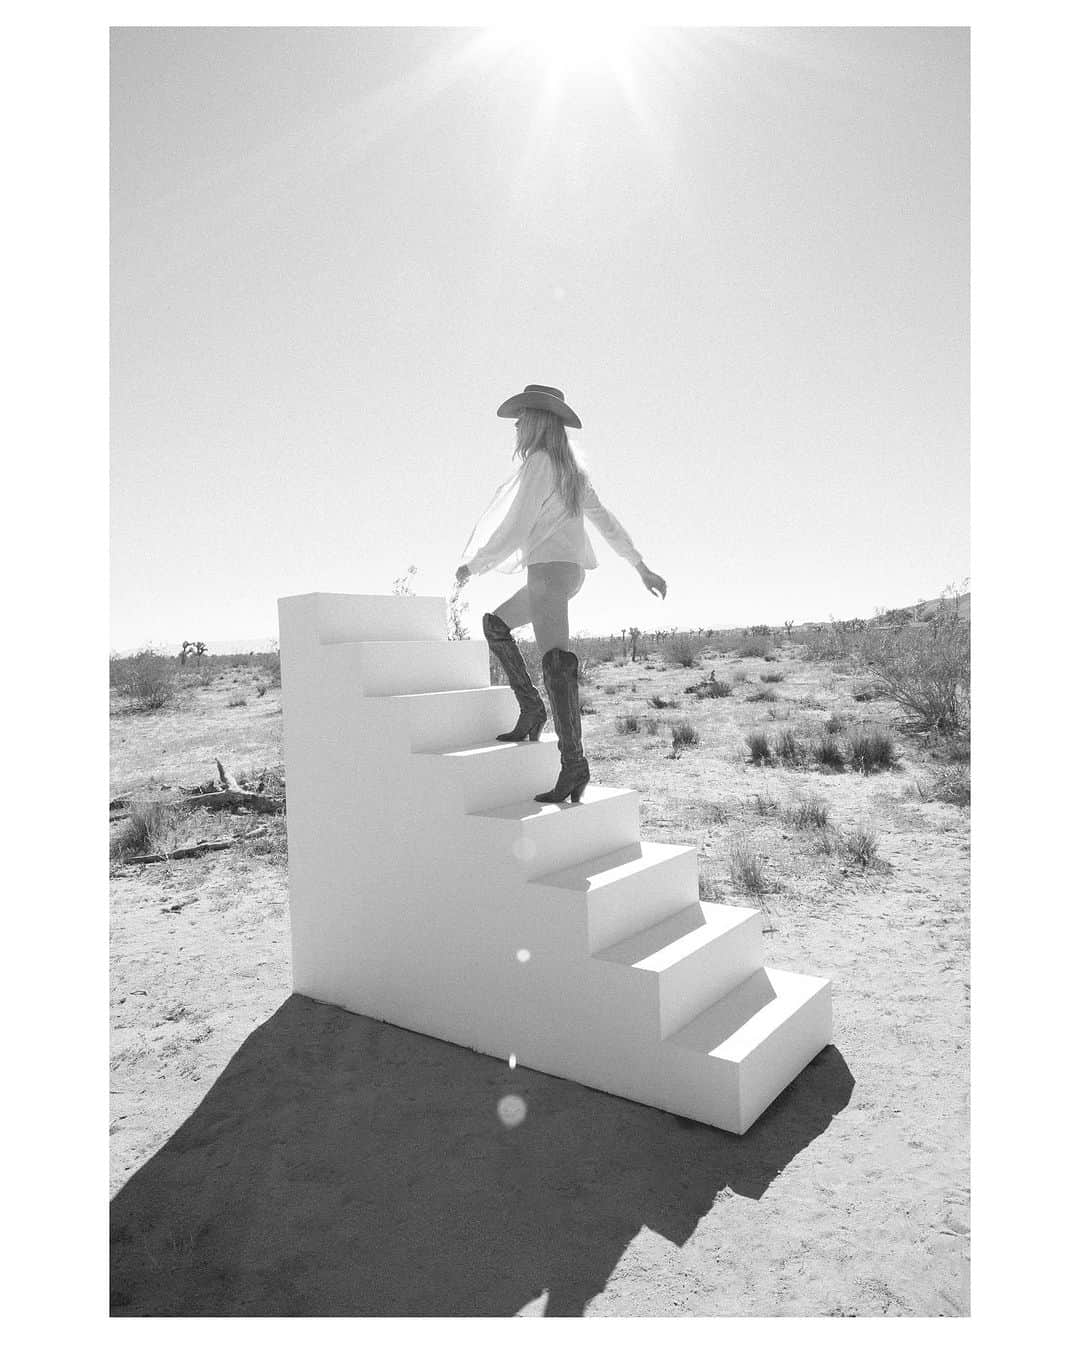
(619, 540)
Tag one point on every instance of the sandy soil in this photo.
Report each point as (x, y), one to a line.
(274, 1156)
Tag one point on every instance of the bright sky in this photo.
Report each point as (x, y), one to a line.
(743, 254)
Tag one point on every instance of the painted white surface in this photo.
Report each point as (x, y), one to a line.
(428, 889)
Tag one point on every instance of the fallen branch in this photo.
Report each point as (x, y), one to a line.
(188, 851)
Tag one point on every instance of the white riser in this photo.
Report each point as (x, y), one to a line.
(497, 771)
(688, 961)
(543, 837)
(448, 719)
(629, 889)
(381, 668)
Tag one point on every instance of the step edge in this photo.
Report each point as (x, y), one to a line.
(635, 867)
(704, 935)
(812, 986)
(539, 813)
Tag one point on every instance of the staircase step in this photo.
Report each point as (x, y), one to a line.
(451, 718)
(544, 836)
(762, 1033)
(415, 666)
(495, 772)
(691, 958)
(630, 888)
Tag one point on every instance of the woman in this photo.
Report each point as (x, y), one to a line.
(537, 521)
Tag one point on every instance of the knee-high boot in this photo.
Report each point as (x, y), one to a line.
(561, 681)
(508, 654)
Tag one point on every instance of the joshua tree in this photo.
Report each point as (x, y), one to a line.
(200, 652)
(185, 651)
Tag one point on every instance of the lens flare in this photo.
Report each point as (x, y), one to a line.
(511, 1110)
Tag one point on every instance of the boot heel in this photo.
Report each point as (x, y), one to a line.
(534, 735)
(575, 794)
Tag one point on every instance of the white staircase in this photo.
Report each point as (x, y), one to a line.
(429, 889)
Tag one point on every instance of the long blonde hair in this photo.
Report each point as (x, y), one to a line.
(541, 430)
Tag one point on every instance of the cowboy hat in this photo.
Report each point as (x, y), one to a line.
(545, 398)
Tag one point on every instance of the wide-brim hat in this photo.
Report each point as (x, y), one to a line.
(545, 398)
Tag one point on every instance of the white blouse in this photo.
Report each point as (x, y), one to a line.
(528, 522)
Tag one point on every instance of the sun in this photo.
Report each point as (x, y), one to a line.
(568, 48)
(585, 46)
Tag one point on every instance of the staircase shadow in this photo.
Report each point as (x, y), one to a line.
(344, 1167)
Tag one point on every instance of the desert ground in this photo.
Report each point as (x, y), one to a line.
(276, 1156)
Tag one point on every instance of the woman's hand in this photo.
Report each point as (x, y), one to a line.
(654, 584)
(462, 575)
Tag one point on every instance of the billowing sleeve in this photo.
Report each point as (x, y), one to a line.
(512, 532)
(608, 526)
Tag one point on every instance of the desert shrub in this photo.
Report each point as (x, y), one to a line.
(657, 702)
(927, 671)
(150, 828)
(148, 679)
(746, 870)
(236, 701)
(834, 724)
(809, 813)
(772, 677)
(740, 677)
(789, 749)
(629, 724)
(683, 733)
(585, 708)
(261, 687)
(585, 670)
(762, 696)
(950, 784)
(829, 753)
(754, 646)
(682, 649)
(871, 751)
(760, 749)
(770, 656)
(650, 725)
(765, 804)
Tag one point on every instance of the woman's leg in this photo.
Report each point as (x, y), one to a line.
(549, 587)
(515, 612)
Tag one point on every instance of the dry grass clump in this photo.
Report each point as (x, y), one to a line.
(808, 813)
(655, 701)
(683, 733)
(951, 784)
(762, 696)
(789, 749)
(829, 754)
(765, 804)
(772, 677)
(151, 827)
(871, 751)
(236, 701)
(760, 749)
(746, 870)
(834, 724)
(858, 845)
(631, 723)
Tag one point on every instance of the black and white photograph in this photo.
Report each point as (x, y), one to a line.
(539, 703)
